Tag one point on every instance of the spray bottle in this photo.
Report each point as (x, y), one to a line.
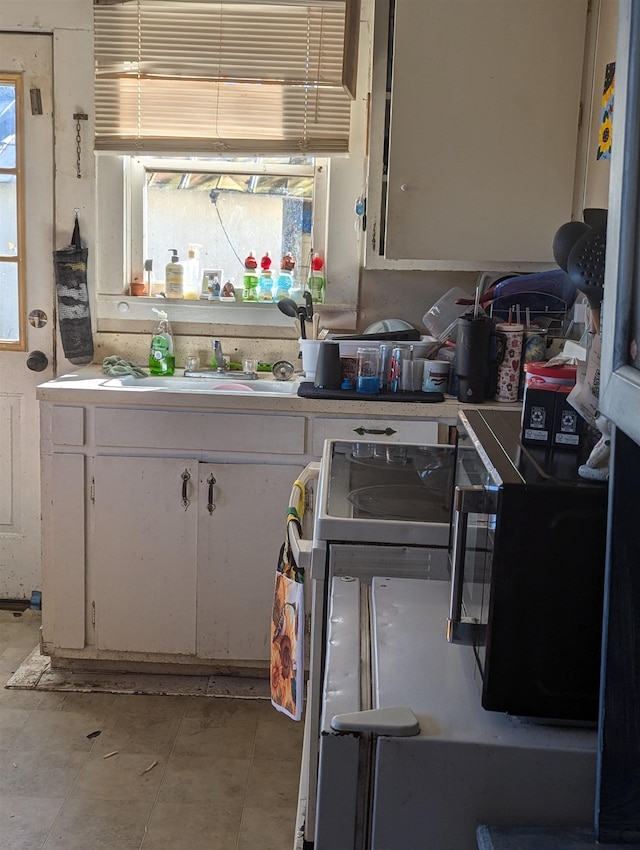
(161, 357)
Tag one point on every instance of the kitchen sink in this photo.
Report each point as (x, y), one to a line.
(177, 383)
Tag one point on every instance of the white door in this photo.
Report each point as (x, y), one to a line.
(26, 321)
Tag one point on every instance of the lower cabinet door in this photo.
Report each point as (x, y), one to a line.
(143, 554)
(242, 510)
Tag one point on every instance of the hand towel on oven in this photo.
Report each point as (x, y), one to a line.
(287, 630)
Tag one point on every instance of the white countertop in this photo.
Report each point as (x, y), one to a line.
(88, 385)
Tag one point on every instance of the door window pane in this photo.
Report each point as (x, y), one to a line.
(9, 303)
(8, 216)
(7, 125)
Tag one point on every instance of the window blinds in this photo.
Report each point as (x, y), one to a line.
(222, 78)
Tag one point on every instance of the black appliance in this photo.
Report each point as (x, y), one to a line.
(527, 570)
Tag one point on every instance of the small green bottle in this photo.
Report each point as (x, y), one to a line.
(161, 357)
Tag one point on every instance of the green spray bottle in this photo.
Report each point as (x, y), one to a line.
(161, 357)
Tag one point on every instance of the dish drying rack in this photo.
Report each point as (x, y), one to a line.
(556, 316)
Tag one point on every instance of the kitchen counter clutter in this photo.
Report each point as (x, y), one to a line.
(163, 506)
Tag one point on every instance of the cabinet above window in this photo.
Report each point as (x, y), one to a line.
(474, 132)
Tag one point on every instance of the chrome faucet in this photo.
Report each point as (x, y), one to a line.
(218, 355)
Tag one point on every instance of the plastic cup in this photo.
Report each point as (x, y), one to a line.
(367, 376)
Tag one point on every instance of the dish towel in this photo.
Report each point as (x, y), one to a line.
(115, 366)
(287, 630)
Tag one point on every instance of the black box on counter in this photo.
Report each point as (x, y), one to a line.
(538, 415)
(568, 425)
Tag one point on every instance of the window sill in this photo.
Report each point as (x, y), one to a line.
(114, 311)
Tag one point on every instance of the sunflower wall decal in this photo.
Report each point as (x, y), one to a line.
(606, 124)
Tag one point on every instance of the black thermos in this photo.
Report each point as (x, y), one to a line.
(472, 357)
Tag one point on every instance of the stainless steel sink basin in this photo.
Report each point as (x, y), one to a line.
(177, 383)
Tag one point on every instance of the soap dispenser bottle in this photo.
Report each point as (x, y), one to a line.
(161, 357)
(174, 276)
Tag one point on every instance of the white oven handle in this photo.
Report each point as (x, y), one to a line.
(301, 548)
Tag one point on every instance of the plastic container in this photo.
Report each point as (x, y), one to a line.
(250, 279)
(442, 318)
(315, 283)
(310, 349)
(174, 276)
(192, 283)
(540, 374)
(161, 357)
(265, 286)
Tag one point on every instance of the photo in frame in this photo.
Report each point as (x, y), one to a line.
(211, 284)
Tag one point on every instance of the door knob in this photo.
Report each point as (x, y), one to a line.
(37, 361)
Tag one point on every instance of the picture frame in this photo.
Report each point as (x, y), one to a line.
(207, 276)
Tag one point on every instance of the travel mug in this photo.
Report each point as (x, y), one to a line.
(509, 368)
(328, 367)
(472, 357)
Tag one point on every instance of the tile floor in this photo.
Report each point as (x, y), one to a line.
(225, 775)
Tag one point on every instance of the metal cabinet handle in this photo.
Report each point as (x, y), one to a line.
(466, 500)
(386, 431)
(186, 476)
(210, 497)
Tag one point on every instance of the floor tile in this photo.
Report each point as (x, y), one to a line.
(12, 722)
(57, 730)
(33, 773)
(205, 779)
(200, 736)
(99, 705)
(124, 776)
(99, 825)
(192, 826)
(277, 736)
(273, 782)
(266, 828)
(138, 733)
(26, 821)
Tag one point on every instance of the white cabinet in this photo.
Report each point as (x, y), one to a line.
(183, 554)
(238, 546)
(143, 554)
(474, 131)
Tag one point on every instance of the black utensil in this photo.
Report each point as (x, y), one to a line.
(585, 267)
(309, 302)
(302, 315)
(566, 237)
(289, 307)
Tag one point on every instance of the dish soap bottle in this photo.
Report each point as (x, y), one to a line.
(174, 276)
(315, 283)
(161, 357)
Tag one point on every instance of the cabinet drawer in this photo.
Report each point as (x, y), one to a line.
(199, 431)
(403, 431)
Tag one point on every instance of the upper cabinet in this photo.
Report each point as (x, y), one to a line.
(474, 131)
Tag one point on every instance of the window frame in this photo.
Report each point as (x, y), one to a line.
(121, 185)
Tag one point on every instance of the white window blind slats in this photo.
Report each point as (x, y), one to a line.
(264, 78)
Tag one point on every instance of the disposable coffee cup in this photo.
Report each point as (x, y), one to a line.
(436, 376)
